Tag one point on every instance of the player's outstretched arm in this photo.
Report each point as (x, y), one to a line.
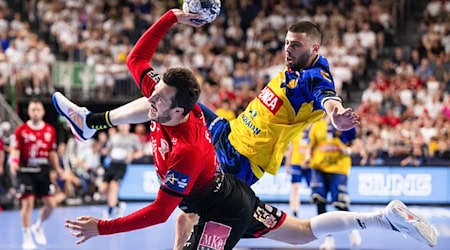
(342, 118)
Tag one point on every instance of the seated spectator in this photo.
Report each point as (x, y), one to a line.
(416, 157)
(86, 170)
(390, 118)
(372, 94)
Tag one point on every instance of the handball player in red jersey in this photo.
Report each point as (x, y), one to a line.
(191, 178)
(33, 156)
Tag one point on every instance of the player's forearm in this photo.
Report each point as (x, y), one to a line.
(157, 212)
(133, 112)
(53, 157)
(147, 44)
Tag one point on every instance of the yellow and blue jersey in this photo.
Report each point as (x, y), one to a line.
(299, 146)
(328, 146)
(287, 105)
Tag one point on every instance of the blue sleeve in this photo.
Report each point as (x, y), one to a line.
(323, 86)
(348, 136)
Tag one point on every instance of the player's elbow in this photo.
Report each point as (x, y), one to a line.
(131, 61)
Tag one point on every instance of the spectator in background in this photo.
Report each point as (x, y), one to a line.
(140, 130)
(86, 170)
(372, 94)
(123, 148)
(4, 73)
(424, 70)
(225, 110)
(3, 188)
(417, 154)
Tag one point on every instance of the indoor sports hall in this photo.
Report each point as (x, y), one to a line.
(389, 62)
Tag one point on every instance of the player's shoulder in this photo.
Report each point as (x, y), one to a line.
(50, 127)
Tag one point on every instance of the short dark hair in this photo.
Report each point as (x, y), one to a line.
(187, 86)
(35, 100)
(311, 29)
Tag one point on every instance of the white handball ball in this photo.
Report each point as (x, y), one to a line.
(208, 9)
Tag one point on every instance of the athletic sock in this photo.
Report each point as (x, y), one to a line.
(38, 223)
(338, 221)
(99, 121)
(26, 231)
(110, 209)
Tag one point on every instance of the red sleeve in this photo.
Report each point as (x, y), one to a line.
(155, 213)
(18, 138)
(138, 61)
(1, 144)
(185, 166)
(53, 145)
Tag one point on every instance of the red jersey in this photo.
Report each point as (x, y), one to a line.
(184, 156)
(34, 145)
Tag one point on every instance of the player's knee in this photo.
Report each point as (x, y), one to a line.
(187, 218)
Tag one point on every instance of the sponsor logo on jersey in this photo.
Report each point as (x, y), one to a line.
(325, 75)
(269, 99)
(214, 236)
(176, 181)
(264, 216)
(155, 76)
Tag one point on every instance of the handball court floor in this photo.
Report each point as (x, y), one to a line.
(161, 236)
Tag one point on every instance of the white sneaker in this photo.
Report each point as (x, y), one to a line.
(328, 244)
(355, 238)
(75, 115)
(28, 243)
(121, 209)
(39, 236)
(409, 224)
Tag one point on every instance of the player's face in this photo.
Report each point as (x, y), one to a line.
(299, 50)
(161, 109)
(36, 111)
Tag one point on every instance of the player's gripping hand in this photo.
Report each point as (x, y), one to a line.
(186, 18)
(84, 227)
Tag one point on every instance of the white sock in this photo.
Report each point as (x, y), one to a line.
(38, 223)
(338, 221)
(26, 231)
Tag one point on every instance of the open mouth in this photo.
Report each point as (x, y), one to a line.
(289, 59)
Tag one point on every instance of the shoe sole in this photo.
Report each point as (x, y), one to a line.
(73, 127)
(422, 228)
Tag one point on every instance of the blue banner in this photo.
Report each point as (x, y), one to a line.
(365, 184)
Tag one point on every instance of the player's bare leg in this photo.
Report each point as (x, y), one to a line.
(183, 228)
(294, 201)
(46, 211)
(27, 204)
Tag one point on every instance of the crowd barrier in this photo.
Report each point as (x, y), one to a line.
(417, 185)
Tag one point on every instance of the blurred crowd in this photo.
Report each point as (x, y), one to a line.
(404, 107)
(405, 110)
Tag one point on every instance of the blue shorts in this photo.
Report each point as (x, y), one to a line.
(298, 173)
(324, 183)
(230, 160)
